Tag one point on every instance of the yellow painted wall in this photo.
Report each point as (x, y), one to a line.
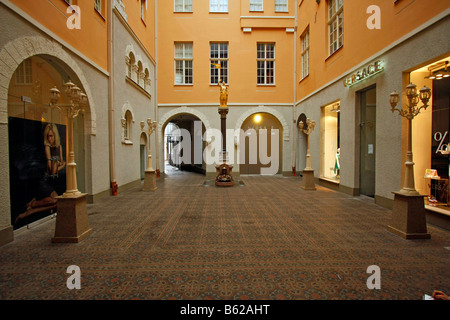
(360, 43)
(143, 28)
(91, 39)
(202, 27)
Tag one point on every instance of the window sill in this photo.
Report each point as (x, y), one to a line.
(301, 80)
(266, 85)
(183, 85)
(127, 142)
(219, 12)
(178, 12)
(137, 86)
(100, 14)
(143, 22)
(334, 53)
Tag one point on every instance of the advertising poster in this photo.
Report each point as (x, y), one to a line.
(37, 169)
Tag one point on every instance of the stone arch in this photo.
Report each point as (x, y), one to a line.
(262, 109)
(167, 116)
(164, 119)
(16, 51)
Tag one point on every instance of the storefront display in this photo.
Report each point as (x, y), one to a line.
(330, 142)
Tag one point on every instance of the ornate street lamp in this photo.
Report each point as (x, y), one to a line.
(408, 212)
(150, 173)
(308, 172)
(72, 220)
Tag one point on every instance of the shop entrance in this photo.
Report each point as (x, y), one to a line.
(368, 105)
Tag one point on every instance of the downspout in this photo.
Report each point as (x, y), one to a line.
(112, 162)
(294, 111)
(158, 172)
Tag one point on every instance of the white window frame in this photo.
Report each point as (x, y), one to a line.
(218, 5)
(184, 5)
(256, 5)
(265, 60)
(281, 6)
(335, 25)
(185, 60)
(143, 9)
(224, 62)
(24, 73)
(305, 53)
(98, 6)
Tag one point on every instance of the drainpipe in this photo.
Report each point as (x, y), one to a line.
(112, 162)
(158, 172)
(294, 112)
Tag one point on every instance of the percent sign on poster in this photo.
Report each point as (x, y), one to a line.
(442, 148)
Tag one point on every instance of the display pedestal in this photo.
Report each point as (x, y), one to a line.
(149, 180)
(72, 224)
(308, 180)
(224, 176)
(408, 217)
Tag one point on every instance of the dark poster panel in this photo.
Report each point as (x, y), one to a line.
(37, 169)
(441, 126)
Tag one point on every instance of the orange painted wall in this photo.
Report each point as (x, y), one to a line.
(360, 43)
(144, 29)
(202, 27)
(91, 39)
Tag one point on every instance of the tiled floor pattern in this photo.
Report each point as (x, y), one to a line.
(267, 239)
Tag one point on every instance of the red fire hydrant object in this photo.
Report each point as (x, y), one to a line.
(115, 188)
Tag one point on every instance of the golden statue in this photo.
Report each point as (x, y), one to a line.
(223, 94)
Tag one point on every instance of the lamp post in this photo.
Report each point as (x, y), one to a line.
(224, 176)
(408, 212)
(308, 172)
(71, 221)
(150, 173)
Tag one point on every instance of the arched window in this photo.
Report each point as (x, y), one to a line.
(127, 121)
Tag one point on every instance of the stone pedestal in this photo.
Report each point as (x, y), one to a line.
(308, 180)
(72, 225)
(408, 217)
(150, 181)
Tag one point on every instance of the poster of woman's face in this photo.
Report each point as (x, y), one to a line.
(37, 166)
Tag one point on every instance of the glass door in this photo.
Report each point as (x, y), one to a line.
(368, 142)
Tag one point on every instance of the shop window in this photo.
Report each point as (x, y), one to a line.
(183, 5)
(256, 5)
(431, 132)
(281, 5)
(183, 63)
(266, 64)
(330, 167)
(219, 56)
(335, 24)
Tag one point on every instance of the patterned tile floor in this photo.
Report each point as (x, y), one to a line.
(265, 239)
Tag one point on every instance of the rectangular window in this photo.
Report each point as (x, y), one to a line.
(256, 5)
(219, 56)
(98, 6)
(218, 5)
(183, 5)
(305, 53)
(143, 9)
(24, 73)
(335, 24)
(183, 63)
(266, 63)
(281, 5)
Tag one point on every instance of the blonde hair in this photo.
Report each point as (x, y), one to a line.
(54, 129)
